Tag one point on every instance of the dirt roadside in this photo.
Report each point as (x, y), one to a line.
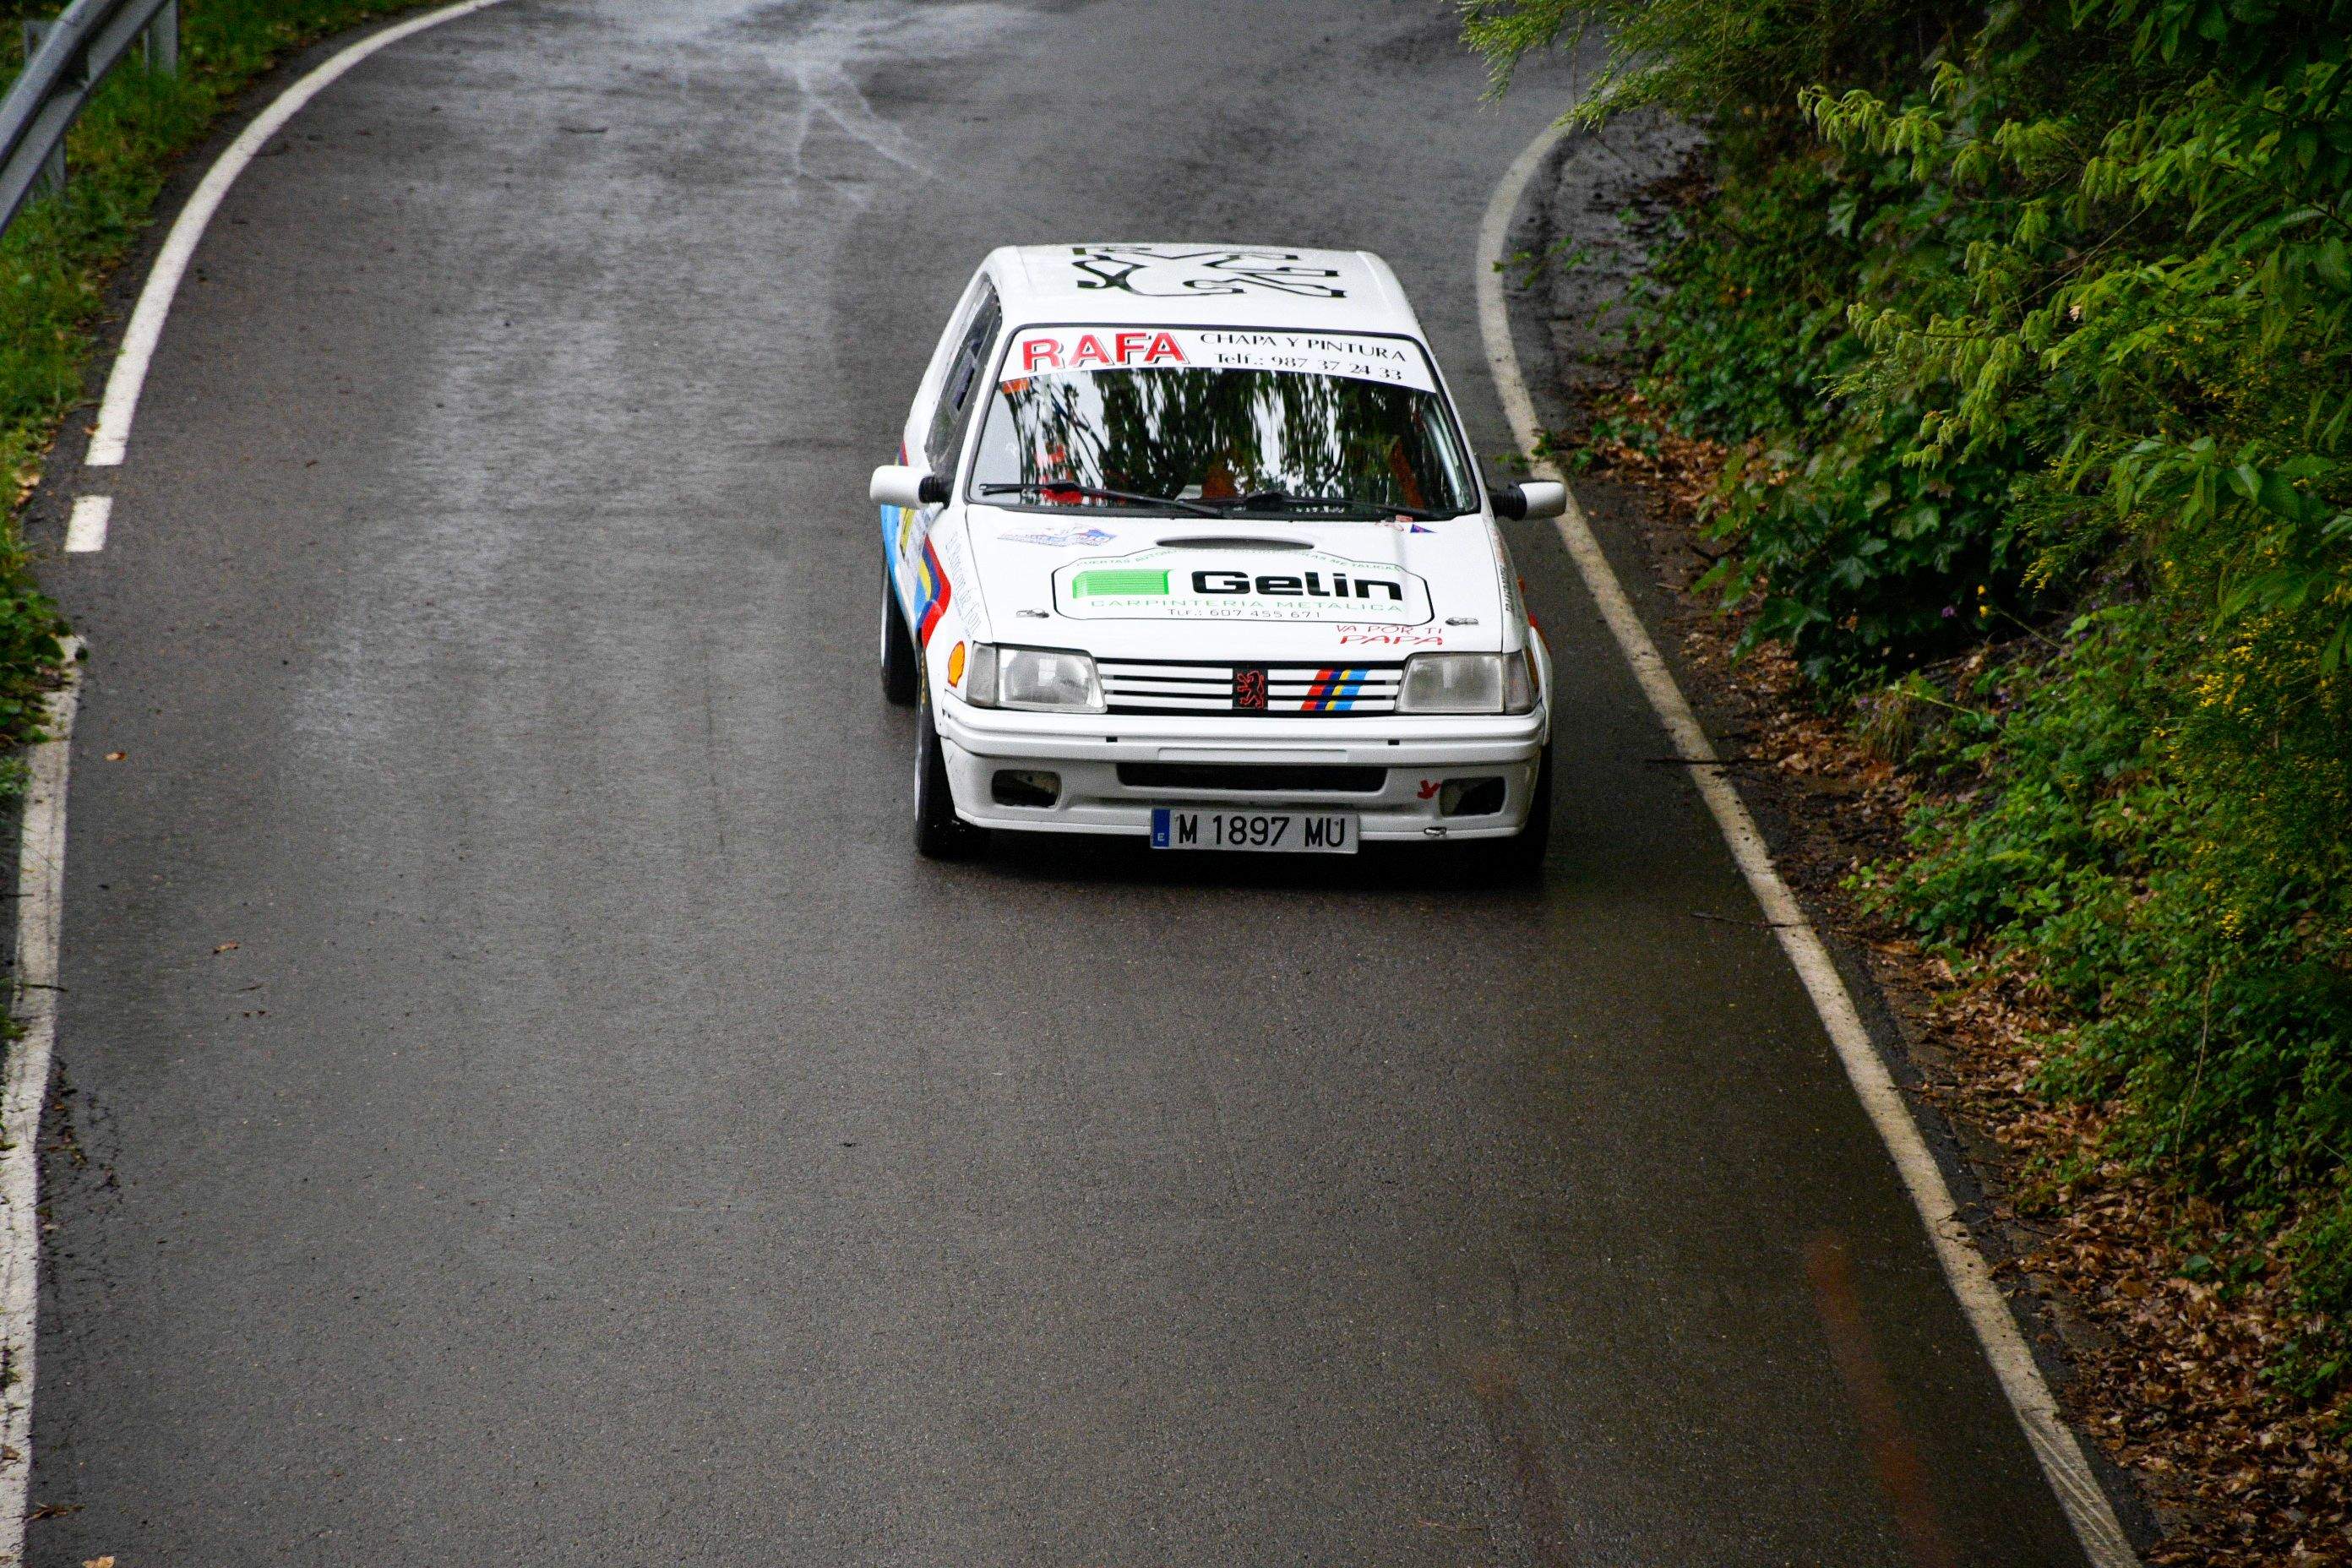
(2159, 1372)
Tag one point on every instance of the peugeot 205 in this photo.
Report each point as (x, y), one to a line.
(1185, 541)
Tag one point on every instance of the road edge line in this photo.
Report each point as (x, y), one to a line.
(110, 441)
(2063, 1461)
(40, 888)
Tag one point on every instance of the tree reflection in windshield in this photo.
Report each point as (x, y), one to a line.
(1222, 433)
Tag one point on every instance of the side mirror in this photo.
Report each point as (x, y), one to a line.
(895, 484)
(1534, 498)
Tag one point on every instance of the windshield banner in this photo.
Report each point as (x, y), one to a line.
(1062, 351)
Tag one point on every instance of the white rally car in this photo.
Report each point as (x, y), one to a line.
(1186, 540)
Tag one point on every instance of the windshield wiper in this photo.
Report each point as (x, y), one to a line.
(1268, 500)
(1096, 493)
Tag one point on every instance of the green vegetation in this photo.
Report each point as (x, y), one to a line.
(2026, 328)
(56, 258)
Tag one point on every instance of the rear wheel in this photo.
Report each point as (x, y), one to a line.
(898, 645)
(939, 833)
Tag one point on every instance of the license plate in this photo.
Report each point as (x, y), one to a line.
(1275, 832)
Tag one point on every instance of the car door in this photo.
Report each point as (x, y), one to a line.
(935, 429)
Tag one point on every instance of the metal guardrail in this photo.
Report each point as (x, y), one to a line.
(65, 60)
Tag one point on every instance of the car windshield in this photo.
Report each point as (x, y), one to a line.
(1268, 424)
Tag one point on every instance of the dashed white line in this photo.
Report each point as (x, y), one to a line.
(85, 528)
(112, 439)
(41, 856)
(2086, 1505)
(40, 889)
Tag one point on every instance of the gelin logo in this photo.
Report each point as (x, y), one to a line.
(1311, 584)
(1177, 584)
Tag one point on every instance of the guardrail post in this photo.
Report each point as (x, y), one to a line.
(52, 178)
(163, 40)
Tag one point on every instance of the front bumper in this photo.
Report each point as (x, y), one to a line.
(1408, 761)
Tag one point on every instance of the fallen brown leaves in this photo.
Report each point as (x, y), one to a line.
(1681, 468)
(2164, 1371)
(2169, 1379)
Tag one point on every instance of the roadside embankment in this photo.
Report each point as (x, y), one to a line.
(1992, 376)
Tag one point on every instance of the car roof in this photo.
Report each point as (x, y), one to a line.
(1200, 285)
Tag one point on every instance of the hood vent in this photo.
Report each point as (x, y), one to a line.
(1232, 542)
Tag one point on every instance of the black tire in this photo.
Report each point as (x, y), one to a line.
(939, 833)
(898, 646)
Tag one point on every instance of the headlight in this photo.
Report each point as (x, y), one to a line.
(1469, 683)
(1041, 679)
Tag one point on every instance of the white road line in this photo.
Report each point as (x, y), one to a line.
(128, 378)
(41, 859)
(40, 888)
(2079, 1493)
(85, 528)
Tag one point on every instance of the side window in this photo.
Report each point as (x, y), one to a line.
(957, 393)
(976, 396)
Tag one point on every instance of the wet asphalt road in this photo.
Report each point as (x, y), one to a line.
(606, 1142)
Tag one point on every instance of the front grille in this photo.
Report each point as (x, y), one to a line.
(1279, 690)
(1260, 778)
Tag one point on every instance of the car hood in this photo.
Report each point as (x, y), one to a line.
(1179, 588)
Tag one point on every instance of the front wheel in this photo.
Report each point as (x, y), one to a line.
(1535, 839)
(939, 833)
(1521, 857)
(898, 646)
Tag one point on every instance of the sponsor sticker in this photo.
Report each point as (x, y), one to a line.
(1391, 636)
(1063, 539)
(1166, 584)
(1178, 273)
(1060, 350)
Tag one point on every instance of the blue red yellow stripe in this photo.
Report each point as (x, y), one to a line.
(897, 527)
(1333, 690)
(932, 592)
